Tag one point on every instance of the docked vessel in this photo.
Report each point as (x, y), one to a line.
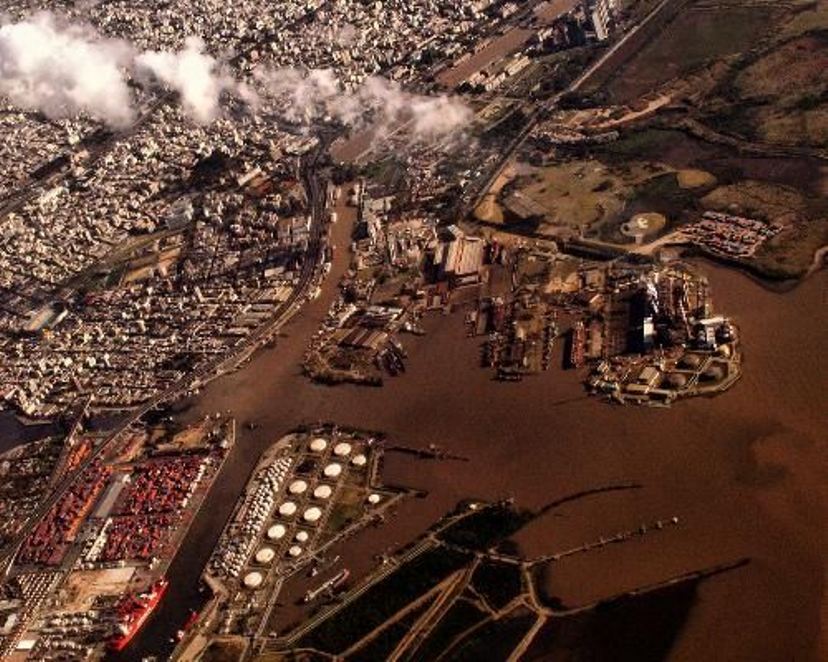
(333, 583)
(576, 349)
(133, 613)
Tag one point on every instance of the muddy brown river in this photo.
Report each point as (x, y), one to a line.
(746, 472)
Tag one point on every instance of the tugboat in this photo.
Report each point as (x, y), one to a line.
(397, 345)
(133, 613)
(192, 619)
(389, 363)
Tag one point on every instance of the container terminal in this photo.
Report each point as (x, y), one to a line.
(93, 569)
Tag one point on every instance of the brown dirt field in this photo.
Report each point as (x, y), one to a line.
(814, 18)
(695, 179)
(190, 438)
(751, 198)
(692, 40)
(578, 193)
(489, 210)
(83, 586)
(795, 68)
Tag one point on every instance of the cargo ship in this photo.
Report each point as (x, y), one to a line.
(331, 585)
(576, 349)
(133, 613)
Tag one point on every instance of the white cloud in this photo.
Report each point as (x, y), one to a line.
(63, 70)
(305, 96)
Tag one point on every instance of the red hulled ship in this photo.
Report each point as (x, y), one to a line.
(133, 613)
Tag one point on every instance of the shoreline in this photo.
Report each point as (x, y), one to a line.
(709, 470)
(764, 280)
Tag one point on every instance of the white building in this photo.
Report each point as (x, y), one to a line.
(603, 13)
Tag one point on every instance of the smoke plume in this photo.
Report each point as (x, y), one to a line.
(192, 73)
(304, 96)
(63, 69)
(301, 97)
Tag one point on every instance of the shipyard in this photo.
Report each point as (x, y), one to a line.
(563, 404)
(443, 330)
